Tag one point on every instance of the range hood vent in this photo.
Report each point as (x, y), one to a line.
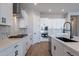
(16, 9)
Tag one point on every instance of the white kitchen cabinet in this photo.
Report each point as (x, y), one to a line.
(52, 45)
(23, 46)
(10, 51)
(26, 44)
(23, 21)
(19, 48)
(70, 52)
(13, 50)
(58, 49)
(29, 42)
(6, 13)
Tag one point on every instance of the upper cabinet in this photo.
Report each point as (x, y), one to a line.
(6, 13)
(23, 21)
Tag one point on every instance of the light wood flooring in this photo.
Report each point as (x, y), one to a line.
(39, 49)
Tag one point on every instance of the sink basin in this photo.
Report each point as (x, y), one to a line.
(18, 36)
(66, 39)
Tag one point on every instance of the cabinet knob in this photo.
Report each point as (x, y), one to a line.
(26, 43)
(54, 47)
(34, 33)
(16, 52)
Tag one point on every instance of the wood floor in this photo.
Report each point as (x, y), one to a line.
(39, 49)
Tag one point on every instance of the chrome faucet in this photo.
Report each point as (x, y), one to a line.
(68, 30)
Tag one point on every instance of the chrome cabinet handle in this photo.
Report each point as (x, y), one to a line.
(54, 47)
(16, 52)
(69, 54)
(16, 46)
(26, 43)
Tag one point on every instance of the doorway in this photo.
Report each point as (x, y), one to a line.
(75, 25)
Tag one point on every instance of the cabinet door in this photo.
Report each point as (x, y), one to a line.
(18, 47)
(58, 49)
(4, 53)
(6, 12)
(29, 42)
(70, 52)
(23, 22)
(8, 52)
(24, 46)
(52, 45)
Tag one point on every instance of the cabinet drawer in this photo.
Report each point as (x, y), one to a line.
(8, 52)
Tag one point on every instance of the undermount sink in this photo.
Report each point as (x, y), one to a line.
(18, 36)
(66, 39)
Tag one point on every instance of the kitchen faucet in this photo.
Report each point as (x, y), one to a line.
(68, 30)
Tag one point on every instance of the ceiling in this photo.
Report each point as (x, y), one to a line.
(55, 7)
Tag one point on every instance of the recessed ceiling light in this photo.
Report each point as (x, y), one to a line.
(35, 4)
(62, 10)
(50, 10)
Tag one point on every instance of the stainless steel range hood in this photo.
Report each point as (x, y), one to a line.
(16, 9)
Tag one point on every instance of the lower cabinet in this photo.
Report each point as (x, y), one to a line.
(70, 52)
(52, 45)
(18, 49)
(24, 47)
(8, 52)
(58, 49)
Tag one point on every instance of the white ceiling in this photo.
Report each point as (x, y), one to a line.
(55, 7)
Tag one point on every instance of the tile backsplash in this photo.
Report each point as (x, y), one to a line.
(5, 31)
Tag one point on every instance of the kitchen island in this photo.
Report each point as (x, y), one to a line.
(61, 48)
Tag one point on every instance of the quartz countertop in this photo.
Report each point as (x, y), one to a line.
(5, 43)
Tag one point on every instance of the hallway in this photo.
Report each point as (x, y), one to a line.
(39, 49)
